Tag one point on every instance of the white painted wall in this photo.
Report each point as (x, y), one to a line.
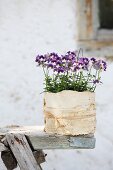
(28, 27)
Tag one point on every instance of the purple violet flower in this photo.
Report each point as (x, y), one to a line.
(72, 53)
(61, 70)
(58, 62)
(97, 65)
(74, 68)
(50, 65)
(104, 65)
(54, 60)
(96, 81)
(93, 59)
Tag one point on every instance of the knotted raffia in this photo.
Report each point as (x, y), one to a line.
(70, 112)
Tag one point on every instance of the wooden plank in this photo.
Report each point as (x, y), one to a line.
(84, 20)
(86, 142)
(62, 142)
(96, 45)
(42, 140)
(22, 152)
(49, 142)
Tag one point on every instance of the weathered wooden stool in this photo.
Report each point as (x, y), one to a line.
(23, 145)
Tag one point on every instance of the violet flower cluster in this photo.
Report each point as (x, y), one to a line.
(70, 71)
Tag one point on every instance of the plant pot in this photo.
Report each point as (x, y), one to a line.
(70, 112)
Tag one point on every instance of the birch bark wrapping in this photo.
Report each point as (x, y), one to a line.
(70, 112)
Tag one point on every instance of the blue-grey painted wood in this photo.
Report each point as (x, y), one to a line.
(83, 142)
(62, 142)
(42, 140)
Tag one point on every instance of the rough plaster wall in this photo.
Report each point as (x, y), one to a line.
(28, 27)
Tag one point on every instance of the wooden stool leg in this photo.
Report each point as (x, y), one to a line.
(22, 152)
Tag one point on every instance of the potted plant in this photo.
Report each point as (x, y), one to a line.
(69, 100)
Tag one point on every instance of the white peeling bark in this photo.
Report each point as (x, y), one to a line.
(70, 112)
